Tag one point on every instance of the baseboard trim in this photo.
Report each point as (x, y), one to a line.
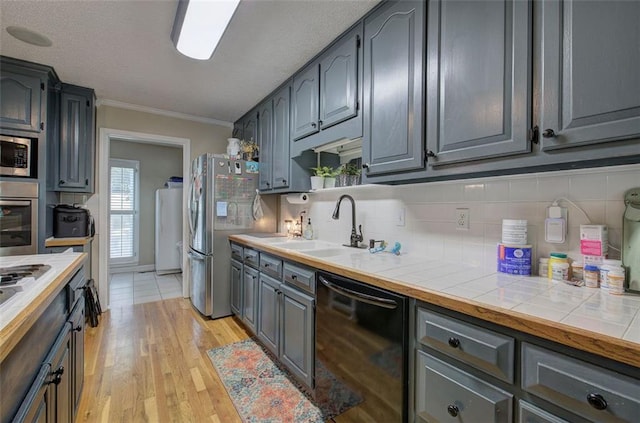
(127, 269)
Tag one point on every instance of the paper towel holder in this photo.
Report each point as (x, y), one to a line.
(301, 198)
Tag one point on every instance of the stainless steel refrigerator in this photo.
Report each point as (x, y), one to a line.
(221, 196)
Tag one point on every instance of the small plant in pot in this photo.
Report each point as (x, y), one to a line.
(350, 174)
(324, 177)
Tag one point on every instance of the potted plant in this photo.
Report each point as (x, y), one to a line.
(330, 176)
(317, 179)
(351, 174)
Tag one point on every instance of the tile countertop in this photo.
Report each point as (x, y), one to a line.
(21, 311)
(584, 318)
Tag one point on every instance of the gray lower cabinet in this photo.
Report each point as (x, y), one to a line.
(77, 324)
(589, 391)
(60, 374)
(529, 413)
(445, 393)
(37, 406)
(20, 100)
(236, 288)
(590, 91)
(286, 326)
(250, 298)
(393, 89)
(478, 79)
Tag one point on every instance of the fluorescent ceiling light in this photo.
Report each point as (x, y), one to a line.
(199, 26)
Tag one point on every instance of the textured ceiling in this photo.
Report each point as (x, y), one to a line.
(123, 49)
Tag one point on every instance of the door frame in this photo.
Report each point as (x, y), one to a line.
(106, 135)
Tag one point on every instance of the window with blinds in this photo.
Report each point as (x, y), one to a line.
(123, 211)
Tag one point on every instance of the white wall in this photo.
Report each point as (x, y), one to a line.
(430, 227)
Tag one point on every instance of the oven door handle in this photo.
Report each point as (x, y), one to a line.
(14, 203)
(359, 296)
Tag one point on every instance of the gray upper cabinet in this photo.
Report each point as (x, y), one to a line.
(20, 97)
(590, 72)
(306, 92)
(265, 142)
(326, 95)
(238, 130)
(339, 81)
(77, 139)
(478, 79)
(250, 126)
(280, 159)
(393, 88)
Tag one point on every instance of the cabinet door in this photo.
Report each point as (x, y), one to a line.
(268, 312)
(444, 392)
(393, 88)
(280, 160)
(20, 101)
(304, 103)
(250, 126)
(238, 131)
(236, 288)
(37, 407)
(339, 81)
(478, 79)
(265, 142)
(61, 374)
(297, 344)
(250, 298)
(74, 165)
(77, 353)
(590, 81)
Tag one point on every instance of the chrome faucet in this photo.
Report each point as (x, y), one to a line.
(355, 238)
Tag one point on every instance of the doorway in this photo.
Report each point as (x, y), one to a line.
(107, 140)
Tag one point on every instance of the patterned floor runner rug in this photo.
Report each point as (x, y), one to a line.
(264, 392)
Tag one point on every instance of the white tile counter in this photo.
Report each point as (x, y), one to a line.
(20, 311)
(581, 317)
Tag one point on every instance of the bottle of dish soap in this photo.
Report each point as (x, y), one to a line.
(308, 231)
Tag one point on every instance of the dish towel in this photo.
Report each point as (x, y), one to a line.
(257, 207)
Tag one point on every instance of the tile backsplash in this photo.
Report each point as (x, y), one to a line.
(429, 212)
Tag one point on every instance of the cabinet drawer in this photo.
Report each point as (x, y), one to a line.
(481, 348)
(587, 390)
(529, 413)
(251, 257)
(444, 393)
(302, 277)
(271, 265)
(237, 252)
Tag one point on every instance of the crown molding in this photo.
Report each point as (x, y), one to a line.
(161, 112)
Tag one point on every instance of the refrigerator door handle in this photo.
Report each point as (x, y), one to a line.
(196, 256)
(191, 192)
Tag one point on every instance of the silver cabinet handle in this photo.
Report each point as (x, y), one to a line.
(359, 296)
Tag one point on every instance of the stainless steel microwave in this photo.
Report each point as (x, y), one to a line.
(17, 157)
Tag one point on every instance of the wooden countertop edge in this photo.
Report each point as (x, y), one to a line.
(67, 242)
(596, 343)
(13, 332)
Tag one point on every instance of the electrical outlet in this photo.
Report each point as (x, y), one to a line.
(462, 218)
(401, 216)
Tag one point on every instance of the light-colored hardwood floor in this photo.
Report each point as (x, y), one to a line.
(148, 363)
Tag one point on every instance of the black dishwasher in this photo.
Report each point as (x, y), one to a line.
(362, 343)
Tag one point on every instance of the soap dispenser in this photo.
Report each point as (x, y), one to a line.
(308, 230)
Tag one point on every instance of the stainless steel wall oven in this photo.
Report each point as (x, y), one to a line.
(18, 218)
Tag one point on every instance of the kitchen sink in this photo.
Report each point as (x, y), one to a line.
(303, 245)
(5, 295)
(327, 252)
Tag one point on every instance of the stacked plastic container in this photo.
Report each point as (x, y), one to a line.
(514, 254)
